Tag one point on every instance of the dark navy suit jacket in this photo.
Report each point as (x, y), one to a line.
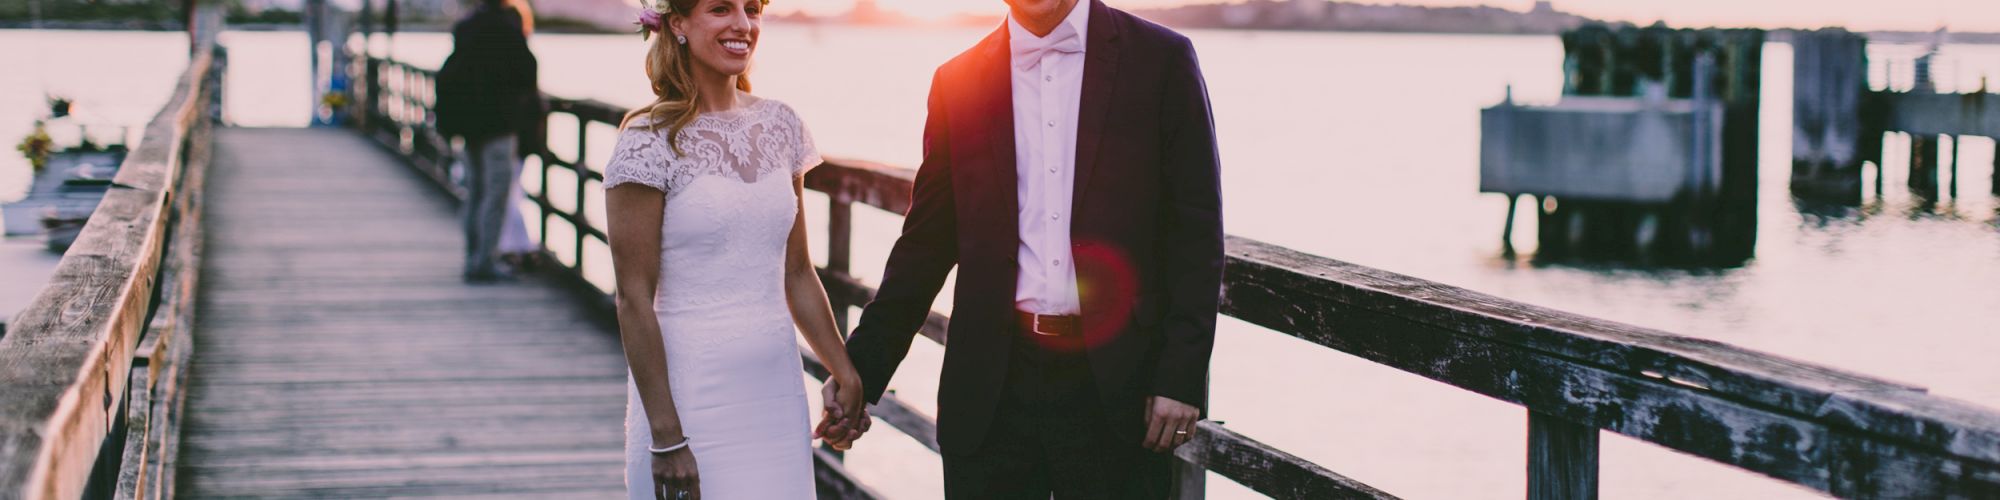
(1146, 235)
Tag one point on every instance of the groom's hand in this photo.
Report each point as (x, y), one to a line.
(844, 417)
(840, 434)
(1169, 423)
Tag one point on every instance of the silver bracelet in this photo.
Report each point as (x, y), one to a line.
(670, 449)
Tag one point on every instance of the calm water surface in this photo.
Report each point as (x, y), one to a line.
(1359, 147)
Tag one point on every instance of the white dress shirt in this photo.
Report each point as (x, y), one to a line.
(1048, 88)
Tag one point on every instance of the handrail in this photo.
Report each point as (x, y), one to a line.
(102, 350)
(1833, 431)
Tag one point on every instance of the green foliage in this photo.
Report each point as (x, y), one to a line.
(36, 146)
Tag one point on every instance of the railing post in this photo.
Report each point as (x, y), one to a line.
(576, 207)
(1562, 459)
(839, 251)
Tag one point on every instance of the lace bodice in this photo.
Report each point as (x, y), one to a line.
(729, 209)
(746, 143)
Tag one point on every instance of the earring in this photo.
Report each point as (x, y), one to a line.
(681, 39)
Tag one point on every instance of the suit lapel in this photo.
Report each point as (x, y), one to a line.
(997, 115)
(1100, 70)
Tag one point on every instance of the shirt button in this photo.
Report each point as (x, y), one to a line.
(1048, 78)
(1055, 216)
(1052, 170)
(1058, 262)
(1052, 123)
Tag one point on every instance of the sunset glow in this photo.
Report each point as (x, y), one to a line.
(1915, 15)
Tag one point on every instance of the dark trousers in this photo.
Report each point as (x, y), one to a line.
(490, 167)
(1050, 437)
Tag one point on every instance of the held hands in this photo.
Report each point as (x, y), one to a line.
(1169, 424)
(675, 476)
(845, 418)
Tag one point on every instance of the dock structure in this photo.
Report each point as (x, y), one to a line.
(1830, 140)
(275, 312)
(1839, 123)
(1650, 156)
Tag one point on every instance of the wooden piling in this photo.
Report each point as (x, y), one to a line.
(1507, 230)
(1829, 78)
(1924, 151)
(1957, 143)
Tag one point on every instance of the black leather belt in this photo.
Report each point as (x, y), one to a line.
(1050, 325)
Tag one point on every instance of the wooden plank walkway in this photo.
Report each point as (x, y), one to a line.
(339, 355)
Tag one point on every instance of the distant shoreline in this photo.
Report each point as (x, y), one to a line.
(1776, 35)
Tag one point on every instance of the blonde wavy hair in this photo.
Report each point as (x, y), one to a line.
(670, 68)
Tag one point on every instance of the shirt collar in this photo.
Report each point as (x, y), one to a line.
(1079, 18)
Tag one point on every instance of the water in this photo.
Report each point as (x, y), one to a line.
(1360, 147)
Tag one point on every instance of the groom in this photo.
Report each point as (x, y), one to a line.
(1070, 173)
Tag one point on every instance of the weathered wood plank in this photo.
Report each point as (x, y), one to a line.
(1266, 469)
(852, 291)
(1562, 459)
(346, 366)
(69, 353)
(1808, 448)
(835, 482)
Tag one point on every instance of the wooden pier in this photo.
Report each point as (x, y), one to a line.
(276, 313)
(1839, 123)
(342, 356)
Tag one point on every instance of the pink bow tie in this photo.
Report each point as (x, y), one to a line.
(1028, 50)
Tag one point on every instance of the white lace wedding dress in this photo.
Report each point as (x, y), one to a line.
(732, 357)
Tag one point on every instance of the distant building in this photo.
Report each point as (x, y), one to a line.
(1324, 15)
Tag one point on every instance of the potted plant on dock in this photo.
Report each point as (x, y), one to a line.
(37, 146)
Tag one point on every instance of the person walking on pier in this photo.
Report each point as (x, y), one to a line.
(1070, 174)
(486, 94)
(714, 279)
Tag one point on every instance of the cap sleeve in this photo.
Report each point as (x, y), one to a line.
(807, 155)
(639, 157)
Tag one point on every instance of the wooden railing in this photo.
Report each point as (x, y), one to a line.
(1836, 432)
(93, 372)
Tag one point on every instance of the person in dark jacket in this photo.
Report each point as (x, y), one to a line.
(1070, 175)
(487, 94)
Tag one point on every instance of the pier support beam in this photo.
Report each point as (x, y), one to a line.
(1830, 78)
(1507, 230)
(1924, 151)
(1562, 459)
(1957, 144)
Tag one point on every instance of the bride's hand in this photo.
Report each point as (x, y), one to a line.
(675, 476)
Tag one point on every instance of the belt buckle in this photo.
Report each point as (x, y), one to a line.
(1037, 327)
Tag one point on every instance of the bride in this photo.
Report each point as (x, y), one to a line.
(713, 279)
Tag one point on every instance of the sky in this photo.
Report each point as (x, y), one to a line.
(1866, 15)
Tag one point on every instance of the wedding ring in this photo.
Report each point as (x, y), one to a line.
(1182, 433)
